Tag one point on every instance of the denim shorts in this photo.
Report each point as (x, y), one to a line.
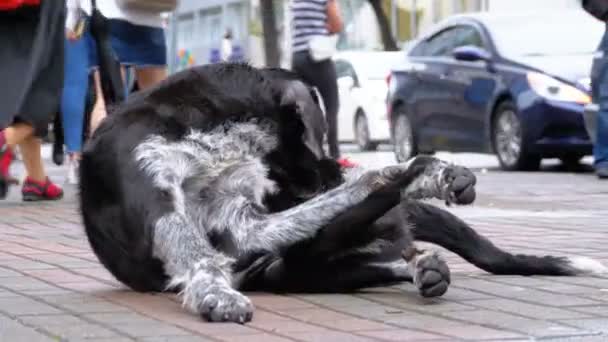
(138, 45)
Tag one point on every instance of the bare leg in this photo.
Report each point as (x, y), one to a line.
(150, 76)
(99, 109)
(31, 151)
(16, 133)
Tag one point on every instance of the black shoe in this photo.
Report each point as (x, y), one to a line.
(58, 154)
(602, 172)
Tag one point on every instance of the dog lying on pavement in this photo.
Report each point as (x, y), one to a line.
(215, 182)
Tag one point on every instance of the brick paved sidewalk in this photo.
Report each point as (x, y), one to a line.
(52, 287)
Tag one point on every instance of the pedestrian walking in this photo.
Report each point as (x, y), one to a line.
(137, 36)
(31, 64)
(80, 59)
(315, 23)
(599, 86)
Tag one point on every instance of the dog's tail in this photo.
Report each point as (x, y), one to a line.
(435, 225)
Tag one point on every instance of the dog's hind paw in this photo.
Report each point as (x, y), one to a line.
(431, 274)
(226, 305)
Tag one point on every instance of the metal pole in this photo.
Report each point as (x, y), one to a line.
(394, 18)
(414, 19)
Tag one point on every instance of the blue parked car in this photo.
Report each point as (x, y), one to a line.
(512, 84)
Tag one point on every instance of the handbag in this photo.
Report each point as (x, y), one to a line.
(597, 8)
(322, 47)
(11, 5)
(149, 5)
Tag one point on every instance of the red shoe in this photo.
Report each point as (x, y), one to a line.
(347, 163)
(6, 158)
(40, 191)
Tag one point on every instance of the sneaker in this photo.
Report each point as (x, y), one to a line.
(6, 158)
(72, 176)
(347, 163)
(40, 191)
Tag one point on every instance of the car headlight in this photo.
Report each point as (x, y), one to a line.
(552, 89)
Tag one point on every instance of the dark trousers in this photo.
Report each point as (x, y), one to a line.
(599, 81)
(322, 75)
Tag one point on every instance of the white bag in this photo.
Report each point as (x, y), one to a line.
(322, 47)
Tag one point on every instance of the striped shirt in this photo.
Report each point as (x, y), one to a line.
(309, 19)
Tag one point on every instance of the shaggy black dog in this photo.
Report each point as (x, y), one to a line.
(215, 182)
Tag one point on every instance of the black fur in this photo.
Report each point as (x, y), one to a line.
(119, 204)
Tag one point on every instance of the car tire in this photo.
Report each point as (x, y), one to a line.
(508, 140)
(362, 135)
(404, 140)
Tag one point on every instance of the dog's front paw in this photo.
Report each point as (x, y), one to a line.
(431, 274)
(459, 185)
(226, 305)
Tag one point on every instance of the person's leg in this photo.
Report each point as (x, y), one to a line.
(31, 148)
(150, 76)
(9, 138)
(99, 109)
(16, 133)
(328, 87)
(601, 145)
(322, 76)
(74, 92)
(600, 92)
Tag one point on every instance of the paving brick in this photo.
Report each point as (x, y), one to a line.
(151, 329)
(330, 336)
(80, 331)
(285, 326)
(255, 338)
(25, 306)
(278, 302)
(173, 339)
(458, 329)
(596, 325)
(11, 330)
(48, 320)
(598, 310)
(4, 272)
(402, 335)
(525, 309)
(527, 326)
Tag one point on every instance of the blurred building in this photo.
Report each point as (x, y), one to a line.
(197, 27)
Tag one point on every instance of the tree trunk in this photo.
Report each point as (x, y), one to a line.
(271, 36)
(388, 41)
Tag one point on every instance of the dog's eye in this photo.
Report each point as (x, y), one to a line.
(165, 194)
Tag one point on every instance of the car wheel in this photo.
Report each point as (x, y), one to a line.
(403, 134)
(507, 139)
(362, 136)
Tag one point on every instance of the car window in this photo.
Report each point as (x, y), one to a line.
(442, 43)
(350, 71)
(467, 35)
(340, 68)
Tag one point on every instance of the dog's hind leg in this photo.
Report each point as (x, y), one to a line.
(202, 274)
(438, 226)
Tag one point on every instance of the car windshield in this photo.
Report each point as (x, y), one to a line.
(568, 33)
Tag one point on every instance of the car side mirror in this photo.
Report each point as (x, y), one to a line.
(346, 82)
(471, 53)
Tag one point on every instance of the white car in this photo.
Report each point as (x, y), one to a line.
(362, 88)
